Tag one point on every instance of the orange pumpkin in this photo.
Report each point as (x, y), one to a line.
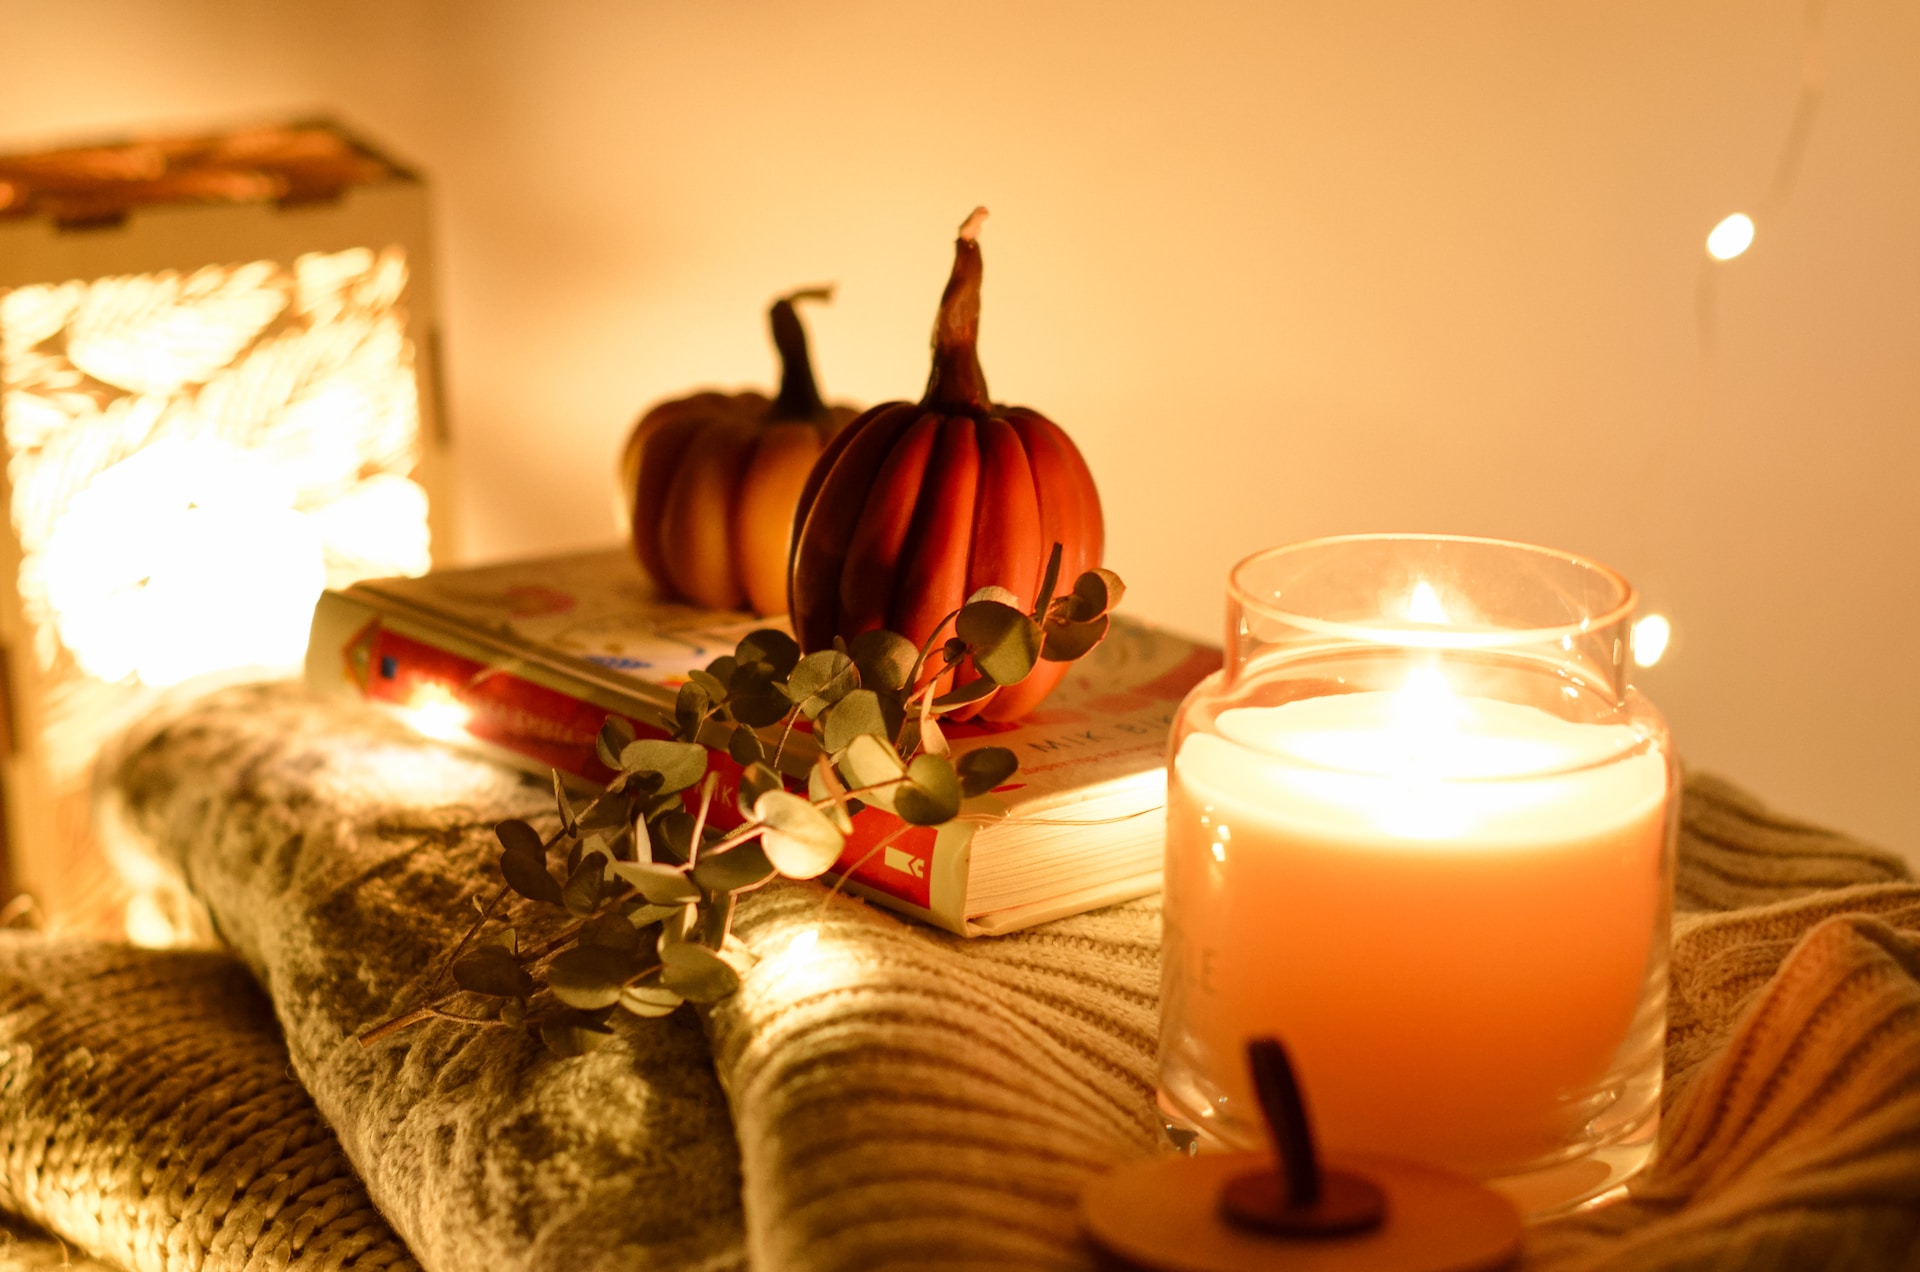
(711, 481)
(916, 505)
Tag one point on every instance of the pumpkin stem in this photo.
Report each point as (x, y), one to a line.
(799, 396)
(957, 383)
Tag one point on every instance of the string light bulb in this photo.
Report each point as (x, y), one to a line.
(1731, 238)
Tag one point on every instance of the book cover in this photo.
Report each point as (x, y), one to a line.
(526, 660)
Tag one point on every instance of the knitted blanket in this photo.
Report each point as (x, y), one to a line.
(881, 1094)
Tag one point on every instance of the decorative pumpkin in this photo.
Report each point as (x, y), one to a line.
(710, 481)
(916, 505)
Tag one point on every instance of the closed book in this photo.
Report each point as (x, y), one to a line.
(526, 660)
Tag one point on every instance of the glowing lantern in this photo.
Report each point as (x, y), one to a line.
(211, 380)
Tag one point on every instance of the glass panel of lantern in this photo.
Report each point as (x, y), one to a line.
(215, 360)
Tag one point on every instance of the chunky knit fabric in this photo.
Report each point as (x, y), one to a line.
(901, 1098)
(147, 1116)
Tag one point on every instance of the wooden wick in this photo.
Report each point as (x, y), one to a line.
(1300, 1199)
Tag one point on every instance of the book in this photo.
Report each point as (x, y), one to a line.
(524, 661)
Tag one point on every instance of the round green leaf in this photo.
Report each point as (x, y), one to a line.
(931, 793)
(871, 761)
(526, 873)
(613, 931)
(822, 679)
(799, 839)
(745, 747)
(755, 781)
(613, 738)
(1067, 641)
(588, 976)
(679, 764)
(984, 768)
(1005, 642)
(767, 645)
(515, 835)
(884, 659)
(659, 884)
(648, 1001)
(994, 592)
(823, 786)
(696, 973)
(671, 835)
(690, 709)
(491, 970)
(581, 892)
(860, 712)
(740, 866)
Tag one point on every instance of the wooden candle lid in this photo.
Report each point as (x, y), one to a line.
(1232, 1211)
(1164, 1215)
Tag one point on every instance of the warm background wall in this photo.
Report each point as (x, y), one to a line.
(1284, 269)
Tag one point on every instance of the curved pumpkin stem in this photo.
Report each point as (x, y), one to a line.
(957, 383)
(799, 396)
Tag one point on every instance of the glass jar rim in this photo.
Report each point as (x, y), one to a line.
(1432, 637)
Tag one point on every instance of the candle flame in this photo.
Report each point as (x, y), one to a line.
(1424, 605)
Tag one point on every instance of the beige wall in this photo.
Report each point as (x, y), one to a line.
(1282, 269)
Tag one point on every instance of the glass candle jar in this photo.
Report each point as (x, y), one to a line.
(1421, 828)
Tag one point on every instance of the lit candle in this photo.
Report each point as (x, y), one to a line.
(1446, 895)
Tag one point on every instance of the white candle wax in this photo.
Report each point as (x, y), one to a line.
(1446, 907)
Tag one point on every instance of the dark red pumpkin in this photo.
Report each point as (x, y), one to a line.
(916, 505)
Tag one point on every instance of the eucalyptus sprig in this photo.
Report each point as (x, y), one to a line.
(645, 899)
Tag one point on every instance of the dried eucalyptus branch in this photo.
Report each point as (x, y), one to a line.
(651, 889)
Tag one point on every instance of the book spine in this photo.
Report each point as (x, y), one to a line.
(460, 691)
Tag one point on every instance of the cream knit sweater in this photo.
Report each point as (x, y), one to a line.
(894, 1097)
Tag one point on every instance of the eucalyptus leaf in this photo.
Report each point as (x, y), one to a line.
(679, 764)
(671, 834)
(741, 866)
(931, 793)
(648, 1001)
(932, 740)
(696, 973)
(756, 780)
(677, 926)
(714, 687)
(568, 821)
(691, 706)
(884, 659)
(612, 931)
(1095, 593)
(1005, 642)
(994, 592)
(1068, 641)
(526, 873)
(722, 669)
(716, 920)
(515, 835)
(824, 786)
(799, 839)
(581, 893)
(491, 970)
(659, 884)
(506, 938)
(755, 697)
(571, 1034)
(821, 679)
(984, 768)
(871, 761)
(588, 976)
(860, 712)
(613, 738)
(745, 747)
(608, 814)
(646, 914)
(770, 646)
(972, 691)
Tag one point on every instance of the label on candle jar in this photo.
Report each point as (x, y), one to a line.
(1448, 908)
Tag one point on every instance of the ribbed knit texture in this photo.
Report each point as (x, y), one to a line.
(907, 1099)
(147, 1116)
